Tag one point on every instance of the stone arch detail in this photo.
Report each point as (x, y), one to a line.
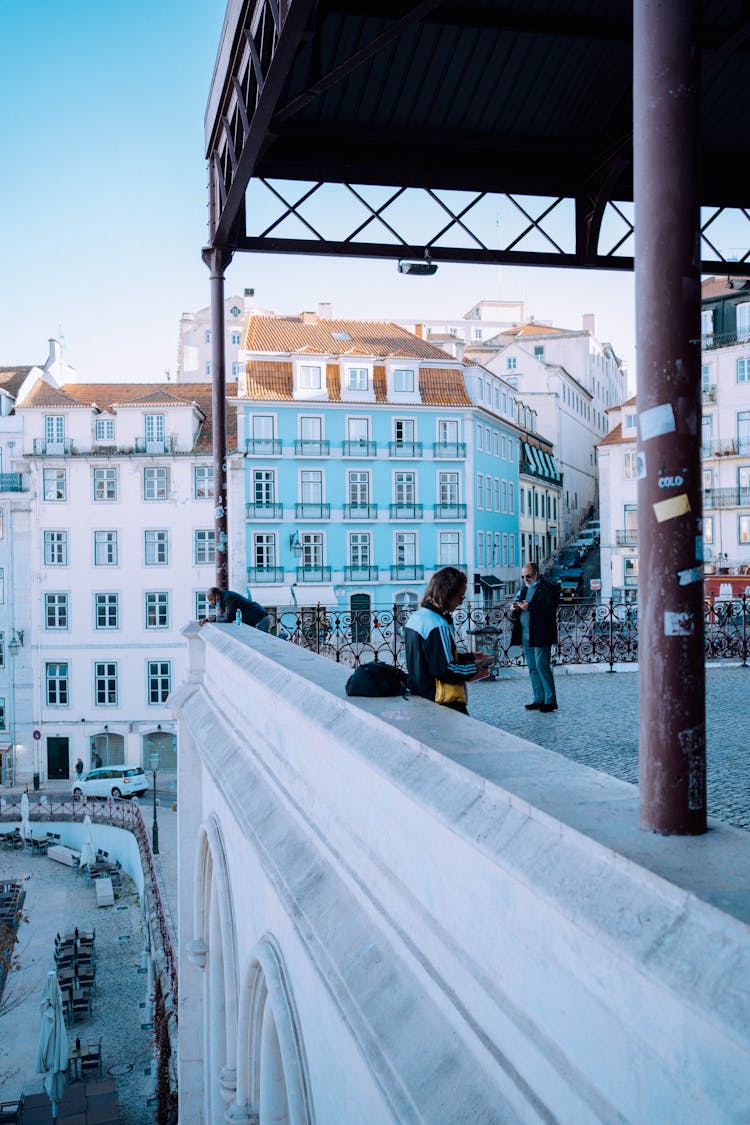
(212, 873)
(267, 994)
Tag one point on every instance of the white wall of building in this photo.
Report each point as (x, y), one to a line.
(390, 912)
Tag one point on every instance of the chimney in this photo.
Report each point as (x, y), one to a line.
(55, 354)
(308, 318)
(249, 300)
(419, 331)
(589, 323)
(325, 310)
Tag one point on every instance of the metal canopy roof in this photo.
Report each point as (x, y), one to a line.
(511, 119)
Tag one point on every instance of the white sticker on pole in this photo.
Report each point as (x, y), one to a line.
(672, 508)
(657, 420)
(640, 464)
(679, 624)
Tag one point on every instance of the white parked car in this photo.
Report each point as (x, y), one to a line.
(111, 781)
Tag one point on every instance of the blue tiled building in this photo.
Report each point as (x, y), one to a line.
(364, 454)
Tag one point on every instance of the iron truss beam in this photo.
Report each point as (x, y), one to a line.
(565, 232)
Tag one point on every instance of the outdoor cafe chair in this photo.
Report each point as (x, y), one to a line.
(81, 1004)
(91, 1062)
(10, 1112)
(87, 978)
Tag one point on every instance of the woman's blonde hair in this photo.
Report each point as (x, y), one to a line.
(444, 585)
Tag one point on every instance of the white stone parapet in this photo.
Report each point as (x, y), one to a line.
(410, 916)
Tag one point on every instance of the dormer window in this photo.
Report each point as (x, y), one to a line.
(358, 379)
(631, 421)
(403, 380)
(154, 432)
(310, 378)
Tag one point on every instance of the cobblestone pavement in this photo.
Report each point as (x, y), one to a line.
(597, 725)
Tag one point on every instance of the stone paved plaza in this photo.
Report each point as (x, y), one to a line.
(597, 724)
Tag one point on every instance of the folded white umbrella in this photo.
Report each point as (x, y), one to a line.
(52, 1053)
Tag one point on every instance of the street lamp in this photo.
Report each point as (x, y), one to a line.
(154, 763)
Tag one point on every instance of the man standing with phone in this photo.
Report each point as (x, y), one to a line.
(534, 615)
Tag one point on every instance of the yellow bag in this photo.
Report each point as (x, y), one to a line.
(449, 693)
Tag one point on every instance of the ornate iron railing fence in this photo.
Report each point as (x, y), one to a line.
(588, 632)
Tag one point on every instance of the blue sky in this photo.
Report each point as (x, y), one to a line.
(103, 203)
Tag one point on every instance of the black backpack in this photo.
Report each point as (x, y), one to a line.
(377, 679)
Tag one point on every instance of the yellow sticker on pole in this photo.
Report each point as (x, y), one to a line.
(670, 509)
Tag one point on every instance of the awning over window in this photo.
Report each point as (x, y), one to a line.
(490, 581)
(310, 594)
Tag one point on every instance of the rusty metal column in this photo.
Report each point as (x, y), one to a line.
(667, 274)
(217, 260)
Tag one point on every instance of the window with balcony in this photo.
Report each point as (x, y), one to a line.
(203, 482)
(743, 321)
(358, 489)
(154, 433)
(105, 683)
(264, 490)
(705, 377)
(743, 432)
(157, 609)
(630, 571)
(57, 684)
(105, 484)
(105, 548)
(204, 546)
(56, 548)
(312, 550)
(360, 550)
(158, 681)
(707, 428)
(56, 611)
(54, 433)
(310, 442)
(448, 488)
(262, 440)
(404, 488)
(707, 327)
(156, 482)
(358, 430)
(264, 551)
(107, 611)
(54, 482)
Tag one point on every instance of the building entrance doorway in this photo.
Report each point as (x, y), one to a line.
(58, 759)
(165, 745)
(109, 747)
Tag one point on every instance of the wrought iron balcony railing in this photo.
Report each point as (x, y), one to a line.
(726, 447)
(406, 511)
(263, 447)
(626, 538)
(265, 574)
(724, 339)
(313, 574)
(359, 448)
(709, 393)
(726, 498)
(449, 511)
(11, 482)
(448, 449)
(360, 511)
(360, 574)
(52, 448)
(265, 511)
(407, 572)
(312, 511)
(307, 448)
(405, 448)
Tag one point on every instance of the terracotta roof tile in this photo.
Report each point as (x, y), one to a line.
(714, 287)
(269, 380)
(333, 382)
(441, 386)
(379, 383)
(532, 329)
(43, 394)
(616, 437)
(11, 378)
(106, 397)
(290, 334)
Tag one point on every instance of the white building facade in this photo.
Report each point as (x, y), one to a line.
(114, 555)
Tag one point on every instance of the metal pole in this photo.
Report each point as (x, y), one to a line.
(217, 260)
(155, 826)
(667, 276)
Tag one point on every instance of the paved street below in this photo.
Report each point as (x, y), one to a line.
(597, 725)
